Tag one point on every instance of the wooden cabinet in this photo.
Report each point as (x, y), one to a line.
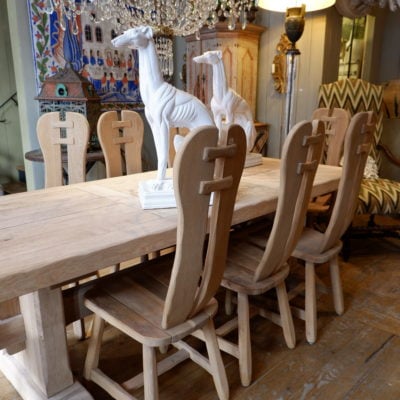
(240, 54)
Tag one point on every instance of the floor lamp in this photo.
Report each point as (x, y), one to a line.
(294, 27)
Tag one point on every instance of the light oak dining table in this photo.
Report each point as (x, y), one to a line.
(56, 235)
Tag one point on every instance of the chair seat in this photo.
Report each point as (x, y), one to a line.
(243, 259)
(379, 196)
(309, 245)
(134, 301)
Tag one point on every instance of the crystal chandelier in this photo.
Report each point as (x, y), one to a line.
(166, 17)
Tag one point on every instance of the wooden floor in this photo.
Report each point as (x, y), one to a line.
(357, 355)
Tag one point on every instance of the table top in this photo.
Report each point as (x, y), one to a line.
(53, 235)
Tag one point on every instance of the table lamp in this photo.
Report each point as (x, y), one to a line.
(294, 27)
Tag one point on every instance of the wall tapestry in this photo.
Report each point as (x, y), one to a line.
(113, 72)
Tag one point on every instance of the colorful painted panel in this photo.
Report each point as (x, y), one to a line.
(113, 72)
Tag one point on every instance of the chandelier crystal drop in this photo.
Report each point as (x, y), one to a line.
(235, 11)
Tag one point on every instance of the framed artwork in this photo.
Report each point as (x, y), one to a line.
(113, 72)
(355, 48)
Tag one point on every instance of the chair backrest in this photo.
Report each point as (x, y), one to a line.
(121, 141)
(357, 145)
(201, 168)
(336, 121)
(300, 158)
(356, 95)
(56, 135)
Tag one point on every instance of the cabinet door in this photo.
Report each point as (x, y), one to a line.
(247, 69)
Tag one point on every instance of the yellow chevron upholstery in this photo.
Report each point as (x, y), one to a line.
(356, 95)
(377, 196)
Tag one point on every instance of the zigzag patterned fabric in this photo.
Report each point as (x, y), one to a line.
(377, 196)
(356, 95)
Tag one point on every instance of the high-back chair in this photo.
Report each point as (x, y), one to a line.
(251, 270)
(55, 134)
(378, 196)
(336, 121)
(121, 140)
(315, 247)
(158, 306)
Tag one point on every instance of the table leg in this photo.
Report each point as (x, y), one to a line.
(42, 370)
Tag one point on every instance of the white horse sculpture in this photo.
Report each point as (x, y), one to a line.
(226, 103)
(165, 106)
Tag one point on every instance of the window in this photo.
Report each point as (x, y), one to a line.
(88, 33)
(99, 34)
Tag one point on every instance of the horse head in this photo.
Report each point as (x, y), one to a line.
(209, 57)
(134, 38)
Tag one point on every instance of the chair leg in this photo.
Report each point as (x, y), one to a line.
(245, 362)
(286, 316)
(216, 363)
(150, 373)
(78, 326)
(79, 329)
(228, 302)
(337, 290)
(92, 357)
(311, 304)
(163, 349)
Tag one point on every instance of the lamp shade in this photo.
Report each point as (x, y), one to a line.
(283, 5)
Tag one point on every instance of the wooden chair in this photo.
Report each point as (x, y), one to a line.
(121, 141)
(158, 306)
(256, 264)
(55, 137)
(378, 196)
(336, 121)
(315, 247)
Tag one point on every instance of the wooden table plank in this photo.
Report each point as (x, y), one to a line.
(53, 235)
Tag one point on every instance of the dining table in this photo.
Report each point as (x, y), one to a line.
(57, 235)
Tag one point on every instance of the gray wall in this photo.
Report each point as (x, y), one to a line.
(25, 83)
(319, 47)
(10, 137)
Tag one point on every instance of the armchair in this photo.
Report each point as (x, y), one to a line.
(378, 196)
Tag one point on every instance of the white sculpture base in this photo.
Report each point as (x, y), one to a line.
(253, 159)
(156, 194)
